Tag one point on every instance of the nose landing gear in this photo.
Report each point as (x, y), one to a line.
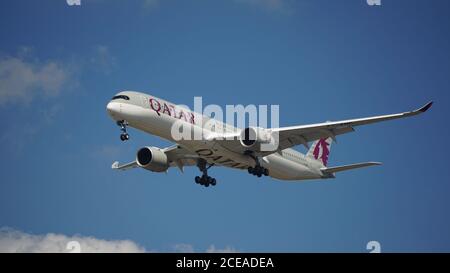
(205, 179)
(123, 128)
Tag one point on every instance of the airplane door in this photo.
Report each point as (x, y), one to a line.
(145, 102)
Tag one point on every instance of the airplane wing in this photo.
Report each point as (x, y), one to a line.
(176, 155)
(116, 166)
(296, 135)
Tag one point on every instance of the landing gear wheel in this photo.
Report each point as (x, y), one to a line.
(205, 179)
(258, 170)
(124, 137)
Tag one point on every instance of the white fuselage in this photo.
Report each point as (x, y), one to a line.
(157, 117)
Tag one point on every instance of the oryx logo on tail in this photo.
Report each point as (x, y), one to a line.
(320, 150)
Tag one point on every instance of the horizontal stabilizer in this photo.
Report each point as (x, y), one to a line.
(332, 170)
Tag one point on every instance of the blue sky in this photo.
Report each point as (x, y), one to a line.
(319, 60)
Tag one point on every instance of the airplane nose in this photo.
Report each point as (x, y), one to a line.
(113, 108)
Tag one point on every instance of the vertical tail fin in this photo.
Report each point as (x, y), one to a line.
(320, 150)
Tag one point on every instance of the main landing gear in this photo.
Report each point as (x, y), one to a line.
(258, 171)
(123, 128)
(205, 179)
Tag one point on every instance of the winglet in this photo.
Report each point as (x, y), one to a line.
(115, 165)
(424, 108)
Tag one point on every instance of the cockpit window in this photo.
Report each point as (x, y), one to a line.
(121, 97)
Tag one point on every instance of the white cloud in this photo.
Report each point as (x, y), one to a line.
(102, 59)
(187, 248)
(183, 248)
(22, 80)
(16, 241)
(227, 249)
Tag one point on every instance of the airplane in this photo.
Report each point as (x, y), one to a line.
(232, 147)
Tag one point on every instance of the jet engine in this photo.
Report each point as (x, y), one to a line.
(252, 138)
(152, 159)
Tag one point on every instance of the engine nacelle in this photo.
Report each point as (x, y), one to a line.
(152, 159)
(253, 137)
